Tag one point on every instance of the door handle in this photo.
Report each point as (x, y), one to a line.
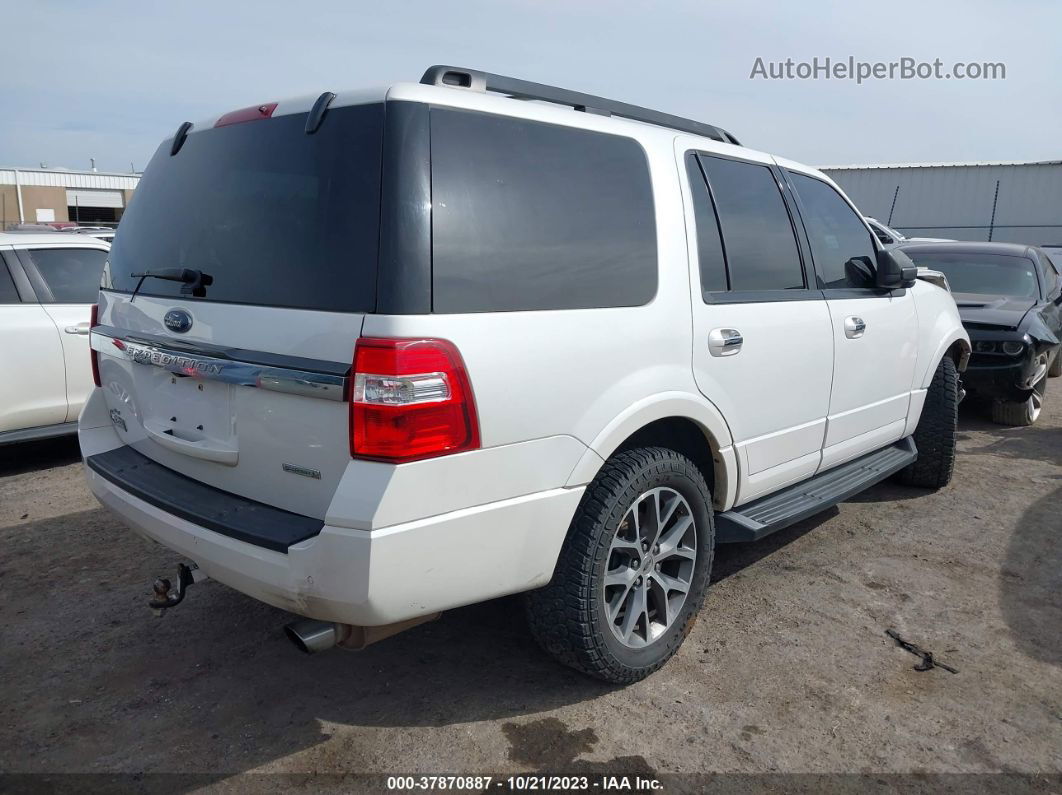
(80, 328)
(854, 327)
(724, 341)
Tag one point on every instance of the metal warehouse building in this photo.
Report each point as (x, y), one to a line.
(46, 195)
(1017, 202)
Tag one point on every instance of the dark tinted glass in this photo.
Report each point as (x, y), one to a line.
(8, 294)
(709, 244)
(276, 216)
(761, 249)
(835, 231)
(985, 274)
(534, 216)
(72, 274)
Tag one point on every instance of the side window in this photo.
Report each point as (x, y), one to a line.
(529, 216)
(8, 293)
(761, 248)
(71, 274)
(709, 244)
(836, 233)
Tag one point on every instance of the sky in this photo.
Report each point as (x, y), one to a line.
(110, 79)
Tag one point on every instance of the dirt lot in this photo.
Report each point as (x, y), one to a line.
(787, 671)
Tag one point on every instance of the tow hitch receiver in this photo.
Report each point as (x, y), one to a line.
(187, 576)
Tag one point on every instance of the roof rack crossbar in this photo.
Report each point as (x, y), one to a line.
(474, 80)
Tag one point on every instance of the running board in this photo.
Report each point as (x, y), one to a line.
(761, 517)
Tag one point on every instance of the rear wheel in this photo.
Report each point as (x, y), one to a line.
(1024, 412)
(935, 435)
(633, 571)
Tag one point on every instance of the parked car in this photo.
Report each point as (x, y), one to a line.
(48, 283)
(381, 354)
(100, 232)
(890, 237)
(1054, 253)
(1008, 295)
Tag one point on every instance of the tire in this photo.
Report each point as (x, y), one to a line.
(570, 618)
(1055, 370)
(935, 435)
(1021, 413)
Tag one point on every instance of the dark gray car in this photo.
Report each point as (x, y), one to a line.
(1008, 296)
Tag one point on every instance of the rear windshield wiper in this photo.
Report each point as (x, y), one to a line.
(195, 281)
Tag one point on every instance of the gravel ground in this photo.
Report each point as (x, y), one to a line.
(788, 669)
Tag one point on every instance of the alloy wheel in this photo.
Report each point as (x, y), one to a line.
(650, 567)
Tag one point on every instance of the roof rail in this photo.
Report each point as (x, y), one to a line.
(473, 80)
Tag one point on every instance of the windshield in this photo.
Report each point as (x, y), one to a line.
(983, 274)
(277, 217)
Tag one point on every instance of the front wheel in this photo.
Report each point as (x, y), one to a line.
(935, 434)
(1021, 412)
(633, 570)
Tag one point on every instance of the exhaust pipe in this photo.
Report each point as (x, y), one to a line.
(311, 636)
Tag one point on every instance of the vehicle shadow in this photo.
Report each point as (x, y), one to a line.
(217, 672)
(733, 558)
(32, 456)
(1031, 580)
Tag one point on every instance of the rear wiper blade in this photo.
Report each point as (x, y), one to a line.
(195, 281)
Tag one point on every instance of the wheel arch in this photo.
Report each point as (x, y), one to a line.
(685, 423)
(955, 345)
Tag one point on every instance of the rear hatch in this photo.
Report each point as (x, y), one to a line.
(242, 385)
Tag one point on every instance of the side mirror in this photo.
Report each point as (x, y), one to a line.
(859, 272)
(895, 270)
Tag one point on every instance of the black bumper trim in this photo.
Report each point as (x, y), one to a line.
(228, 514)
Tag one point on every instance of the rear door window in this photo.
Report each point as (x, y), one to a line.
(758, 236)
(8, 293)
(71, 275)
(836, 234)
(529, 216)
(277, 217)
(709, 244)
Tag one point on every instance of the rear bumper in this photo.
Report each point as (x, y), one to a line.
(371, 578)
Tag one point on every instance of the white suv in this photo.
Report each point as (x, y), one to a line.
(380, 354)
(48, 284)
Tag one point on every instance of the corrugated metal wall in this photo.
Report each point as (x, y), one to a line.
(69, 179)
(961, 201)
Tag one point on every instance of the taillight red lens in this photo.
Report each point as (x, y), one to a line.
(411, 400)
(94, 317)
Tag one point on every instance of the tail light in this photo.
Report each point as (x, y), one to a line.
(94, 317)
(411, 400)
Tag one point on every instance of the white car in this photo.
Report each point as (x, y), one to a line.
(371, 356)
(48, 284)
(890, 237)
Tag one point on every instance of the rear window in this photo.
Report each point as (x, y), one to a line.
(530, 216)
(277, 217)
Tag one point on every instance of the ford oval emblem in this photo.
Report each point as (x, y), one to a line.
(178, 320)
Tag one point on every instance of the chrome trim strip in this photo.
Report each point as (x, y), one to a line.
(191, 363)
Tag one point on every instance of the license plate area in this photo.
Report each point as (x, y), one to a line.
(190, 409)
